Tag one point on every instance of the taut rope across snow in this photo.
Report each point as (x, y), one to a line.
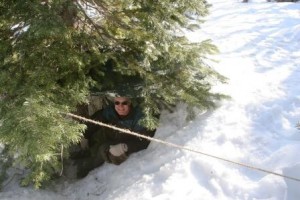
(180, 146)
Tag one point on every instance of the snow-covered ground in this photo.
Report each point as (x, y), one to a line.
(259, 46)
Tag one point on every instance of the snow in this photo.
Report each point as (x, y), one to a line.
(259, 46)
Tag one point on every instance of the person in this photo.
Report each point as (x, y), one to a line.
(109, 145)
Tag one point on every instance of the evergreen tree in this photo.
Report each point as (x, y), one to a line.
(54, 53)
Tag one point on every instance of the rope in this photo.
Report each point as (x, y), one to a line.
(180, 147)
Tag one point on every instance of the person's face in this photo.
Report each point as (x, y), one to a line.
(122, 105)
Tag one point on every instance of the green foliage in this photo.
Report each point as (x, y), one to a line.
(5, 163)
(53, 53)
(37, 132)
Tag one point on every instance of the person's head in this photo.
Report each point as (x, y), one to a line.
(122, 105)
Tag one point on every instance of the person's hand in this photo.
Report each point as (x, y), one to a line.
(117, 153)
(118, 149)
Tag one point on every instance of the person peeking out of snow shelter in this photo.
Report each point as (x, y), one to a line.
(109, 145)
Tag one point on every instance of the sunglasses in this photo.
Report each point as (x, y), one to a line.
(124, 103)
